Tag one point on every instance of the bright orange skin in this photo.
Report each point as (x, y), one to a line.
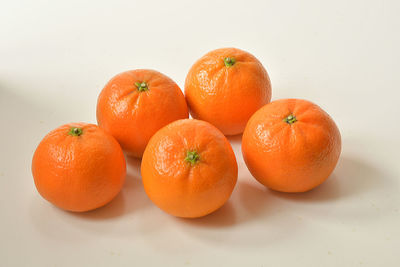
(78, 173)
(227, 96)
(180, 188)
(132, 116)
(291, 157)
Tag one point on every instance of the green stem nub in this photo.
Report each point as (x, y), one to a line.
(142, 86)
(74, 131)
(229, 61)
(193, 157)
(290, 119)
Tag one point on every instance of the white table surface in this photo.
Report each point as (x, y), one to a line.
(55, 57)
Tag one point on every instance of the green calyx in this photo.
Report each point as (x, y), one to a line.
(192, 157)
(290, 119)
(142, 86)
(75, 131)
(229, 61)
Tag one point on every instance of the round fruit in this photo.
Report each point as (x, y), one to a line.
(225, 87)
(136, 104)
(291, 145)
(189, 168)
(78, 167)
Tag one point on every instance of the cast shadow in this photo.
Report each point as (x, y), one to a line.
(223, 217)
(251, 201)
(351, 177)
(247, 203)
(133, 165)
(255, 202)
(235, 139)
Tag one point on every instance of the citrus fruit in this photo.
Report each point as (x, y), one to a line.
(78, 167)
(225, 87)
(291, 145)
(189, 168)
(135, 104)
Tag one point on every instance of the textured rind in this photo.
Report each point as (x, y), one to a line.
(78, 173)
(182, 189)
(291, 158)
(131, 116)
(227, 96)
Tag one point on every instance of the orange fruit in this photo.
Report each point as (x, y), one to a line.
(78, 167)
(135, 104)
(291, 145)
(225, 87)
(189, 168)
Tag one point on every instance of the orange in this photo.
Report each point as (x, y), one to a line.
(291, 145)
(135, 104)
(78, 167)
(225, 87)
(189, 168)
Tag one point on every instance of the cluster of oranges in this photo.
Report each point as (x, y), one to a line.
(188, 166)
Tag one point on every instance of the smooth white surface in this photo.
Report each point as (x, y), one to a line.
(55, 57)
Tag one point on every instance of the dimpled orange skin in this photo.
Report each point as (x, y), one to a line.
(78, 173)
(227, 96)
(133, 116)
(293, 157)
(180, 188)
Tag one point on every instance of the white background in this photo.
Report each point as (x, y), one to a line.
(55, 57)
